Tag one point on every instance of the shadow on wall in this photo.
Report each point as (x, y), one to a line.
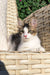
(3, 70)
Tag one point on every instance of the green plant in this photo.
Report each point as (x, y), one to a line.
(26, 7)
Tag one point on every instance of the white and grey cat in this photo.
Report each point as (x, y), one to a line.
(26, 39)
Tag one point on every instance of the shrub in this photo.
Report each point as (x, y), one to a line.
(26, 7)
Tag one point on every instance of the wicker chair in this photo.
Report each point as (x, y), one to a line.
(28, 63)
(43, 17)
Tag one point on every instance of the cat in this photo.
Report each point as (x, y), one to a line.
(26, 39)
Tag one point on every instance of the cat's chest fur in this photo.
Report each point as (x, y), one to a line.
(30, 44)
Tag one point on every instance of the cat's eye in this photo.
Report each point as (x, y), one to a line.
(31, 31)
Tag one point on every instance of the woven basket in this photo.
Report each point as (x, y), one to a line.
(43, 29)
(26, 63)
(12, 15)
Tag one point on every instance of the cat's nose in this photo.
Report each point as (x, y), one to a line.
(25, 36)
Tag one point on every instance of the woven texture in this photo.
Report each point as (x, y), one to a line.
(12, 14)
(43, 29)
(26, 63)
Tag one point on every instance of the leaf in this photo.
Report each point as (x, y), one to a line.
(38, 0)
(25, 4)
(23, 10)
(28, 12)
(21, 3)
(49, 1)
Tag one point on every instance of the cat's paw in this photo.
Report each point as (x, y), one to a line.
(41, 49)
(35, 50)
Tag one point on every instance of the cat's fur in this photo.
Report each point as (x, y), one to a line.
(26, 39)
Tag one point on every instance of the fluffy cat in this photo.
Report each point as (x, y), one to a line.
(26, 39)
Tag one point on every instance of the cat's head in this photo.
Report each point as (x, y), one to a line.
(28, 31)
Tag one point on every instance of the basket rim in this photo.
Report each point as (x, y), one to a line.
(23, 52)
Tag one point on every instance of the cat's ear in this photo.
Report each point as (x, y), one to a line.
(20, 22)
(33, 22)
